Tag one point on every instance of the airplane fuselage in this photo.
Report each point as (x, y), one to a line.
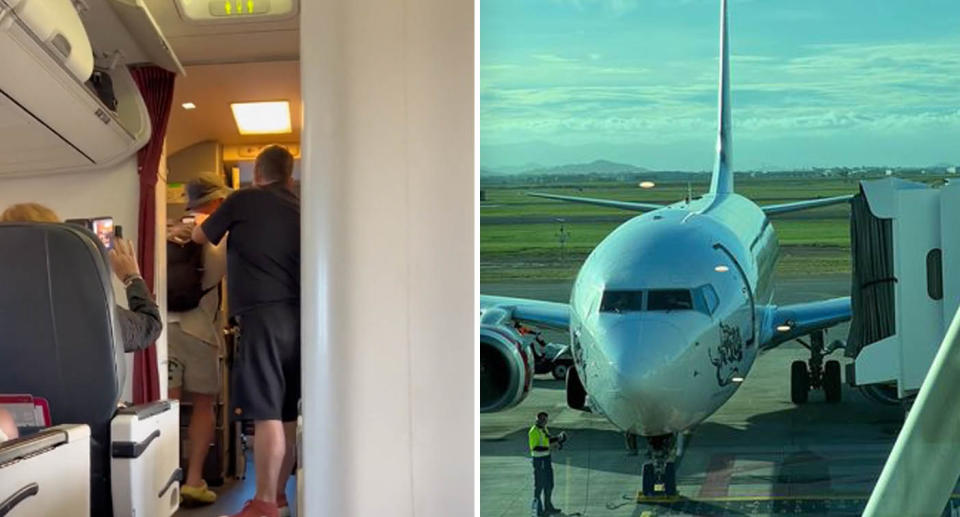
(666, 312)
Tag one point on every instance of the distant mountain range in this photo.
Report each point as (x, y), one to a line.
(594, 167)
(609, 168)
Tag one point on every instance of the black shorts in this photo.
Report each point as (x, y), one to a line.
(265, 381)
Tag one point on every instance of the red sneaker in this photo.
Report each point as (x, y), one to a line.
(283, 508)
(256, 508)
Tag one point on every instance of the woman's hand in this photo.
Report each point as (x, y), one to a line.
(123, 258)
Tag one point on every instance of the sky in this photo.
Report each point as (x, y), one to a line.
(814, 83)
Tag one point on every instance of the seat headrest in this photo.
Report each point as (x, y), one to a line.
(59, 338)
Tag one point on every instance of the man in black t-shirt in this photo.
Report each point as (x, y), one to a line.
(263, 265)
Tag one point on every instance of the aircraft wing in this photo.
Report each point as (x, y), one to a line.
(609, 203)
(534, 312)
(804, 205)
(792, 321)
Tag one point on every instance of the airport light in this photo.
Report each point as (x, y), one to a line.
(647, 184)
(721, 269)
(262, 118)
(189, 106)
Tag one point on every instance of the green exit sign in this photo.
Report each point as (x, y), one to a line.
(239, 7)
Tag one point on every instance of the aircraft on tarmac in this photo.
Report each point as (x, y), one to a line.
(668, 313)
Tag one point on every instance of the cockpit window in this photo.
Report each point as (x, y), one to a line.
(711, 298)
(622, 301)
(669, 300)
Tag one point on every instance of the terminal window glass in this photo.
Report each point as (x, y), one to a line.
(669, 300)
(622, 301)
(934, 274)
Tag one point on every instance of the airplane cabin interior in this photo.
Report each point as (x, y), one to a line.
(103, 90)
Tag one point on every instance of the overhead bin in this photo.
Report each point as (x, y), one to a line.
(51, 116)
(55, 25)
(140, 41)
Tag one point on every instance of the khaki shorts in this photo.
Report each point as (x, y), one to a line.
(194, 363)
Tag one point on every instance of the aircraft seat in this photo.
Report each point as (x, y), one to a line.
(60, 340)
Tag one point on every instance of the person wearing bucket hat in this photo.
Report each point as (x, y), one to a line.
(194, 274)
(206, 192)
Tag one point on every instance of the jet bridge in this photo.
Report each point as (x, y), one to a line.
(905, 245)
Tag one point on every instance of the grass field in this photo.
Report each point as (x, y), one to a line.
(519, 235)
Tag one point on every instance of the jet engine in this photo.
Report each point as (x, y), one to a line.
(506, 368)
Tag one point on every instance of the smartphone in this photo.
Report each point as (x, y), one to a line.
(102, 227)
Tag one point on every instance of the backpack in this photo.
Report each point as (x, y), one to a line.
(184, 275)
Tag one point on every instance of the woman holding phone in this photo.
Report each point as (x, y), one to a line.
(140, 325)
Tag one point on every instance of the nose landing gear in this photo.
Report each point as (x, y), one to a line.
(815, 374)
(660, 471)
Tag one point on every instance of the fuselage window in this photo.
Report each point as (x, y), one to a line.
(622, 301)
(669, 300)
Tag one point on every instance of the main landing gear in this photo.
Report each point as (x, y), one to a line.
(815, 374)
(660, 471)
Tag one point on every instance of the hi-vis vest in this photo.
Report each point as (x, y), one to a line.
(539, 438)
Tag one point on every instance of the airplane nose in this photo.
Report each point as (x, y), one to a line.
(645, 359)
(642, 351)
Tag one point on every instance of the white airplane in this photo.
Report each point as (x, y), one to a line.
(668, 313)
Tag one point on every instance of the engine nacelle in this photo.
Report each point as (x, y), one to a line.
(506, 368)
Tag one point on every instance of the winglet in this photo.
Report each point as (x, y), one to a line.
(722, 181)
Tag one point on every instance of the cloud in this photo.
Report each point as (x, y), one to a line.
(592, 79)
(617, 7)
(824, 88)
(552, 58)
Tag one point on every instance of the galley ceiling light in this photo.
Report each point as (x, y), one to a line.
(262, 118)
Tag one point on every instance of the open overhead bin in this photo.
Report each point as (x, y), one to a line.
(67, 99)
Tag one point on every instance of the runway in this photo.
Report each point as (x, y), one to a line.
(758, 455)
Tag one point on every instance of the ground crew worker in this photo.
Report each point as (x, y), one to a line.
(540, 443)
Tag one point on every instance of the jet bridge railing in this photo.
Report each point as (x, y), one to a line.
(919, 476)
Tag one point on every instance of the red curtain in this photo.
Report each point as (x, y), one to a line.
(156, 87)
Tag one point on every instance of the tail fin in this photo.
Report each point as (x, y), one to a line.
(722, 181)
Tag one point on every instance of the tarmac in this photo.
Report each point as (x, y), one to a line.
(759, 454)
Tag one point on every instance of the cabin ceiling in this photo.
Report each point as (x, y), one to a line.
(213, 87)
(228, 62)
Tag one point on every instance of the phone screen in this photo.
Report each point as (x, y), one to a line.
(103, 227)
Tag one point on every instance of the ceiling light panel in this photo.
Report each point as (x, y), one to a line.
(262, 118)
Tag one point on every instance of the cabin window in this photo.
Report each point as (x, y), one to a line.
(622, 301)
(935, 274)
(669, 300)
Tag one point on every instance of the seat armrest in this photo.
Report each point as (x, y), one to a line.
(144, 411)
(46, 473)
(19, 448)
(145, 459)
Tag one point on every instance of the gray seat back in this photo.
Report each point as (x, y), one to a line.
(59, 337)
